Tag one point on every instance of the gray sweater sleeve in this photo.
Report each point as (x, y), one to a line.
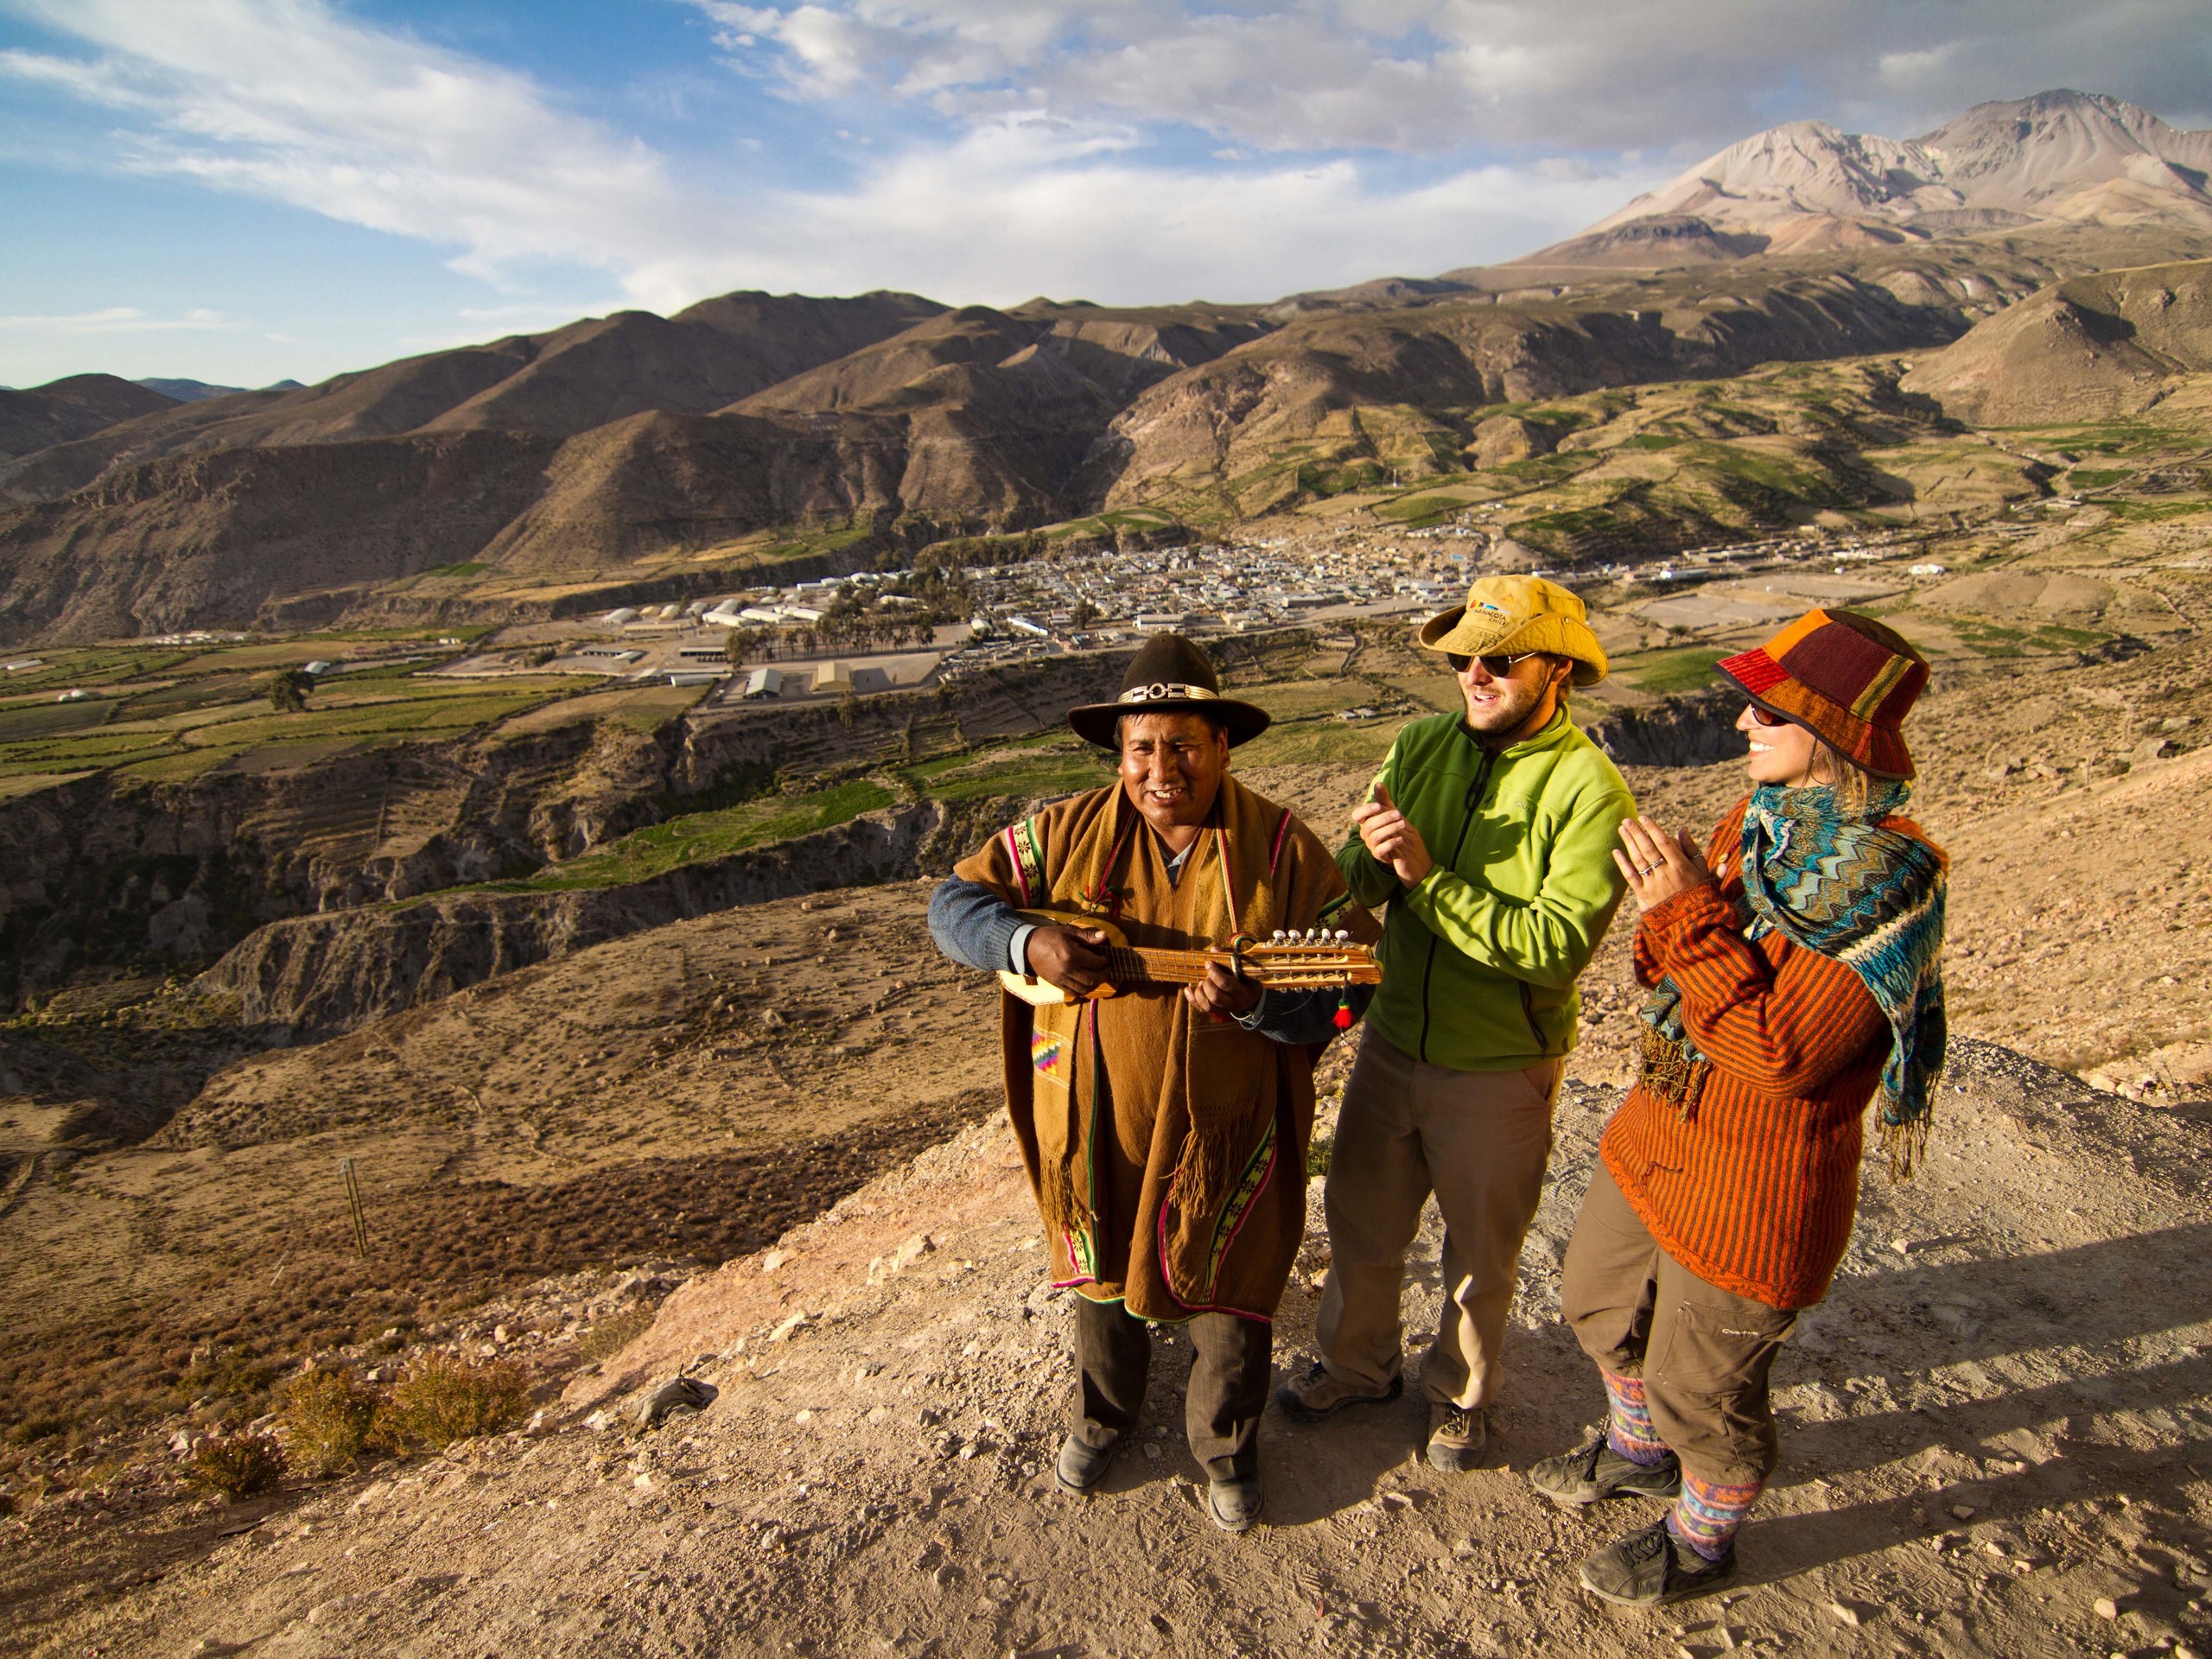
(1303, 1016)
(972, 924)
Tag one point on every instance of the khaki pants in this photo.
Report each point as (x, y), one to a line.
(1703, 1352)
(1478, 1140)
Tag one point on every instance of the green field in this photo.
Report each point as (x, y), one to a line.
(697, 837)
(161, 714)
(1666, 672)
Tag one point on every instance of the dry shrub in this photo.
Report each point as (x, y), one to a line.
(329, 1417)
(442, 1398)
(610, 1336)
(237, 1465)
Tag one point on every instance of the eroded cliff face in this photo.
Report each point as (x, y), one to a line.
(328, 973)
(108, 872)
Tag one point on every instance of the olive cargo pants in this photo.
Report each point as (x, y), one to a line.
(1703, 1352)
(1479, 1141)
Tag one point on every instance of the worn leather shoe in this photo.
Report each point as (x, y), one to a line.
(1234, 1505)
(1597, 1471)
(1648, 1568)
(1081, 1466)
(1457, 1435)
(1317, 1395)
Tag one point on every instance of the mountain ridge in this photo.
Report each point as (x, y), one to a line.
(890, 420)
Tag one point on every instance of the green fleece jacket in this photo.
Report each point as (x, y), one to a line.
(1479, 960)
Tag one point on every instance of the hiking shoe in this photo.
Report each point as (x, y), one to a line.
(1081, 1466)
(1317, 1395)
(1234, 1505)
(1648, 1568)
(1597, 1470)
(1456, 1437)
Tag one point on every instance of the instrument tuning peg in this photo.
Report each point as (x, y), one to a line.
(1276, 937)
(1343, 935)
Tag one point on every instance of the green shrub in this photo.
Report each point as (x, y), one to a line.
(329, 1418)
(442, 1398)
(237, 1465)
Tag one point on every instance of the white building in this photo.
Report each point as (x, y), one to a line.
(765, 682)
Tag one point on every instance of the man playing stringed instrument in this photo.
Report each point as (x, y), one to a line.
(1164, 1129)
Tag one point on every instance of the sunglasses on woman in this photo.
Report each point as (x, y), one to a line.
(1767, 716)
(1497, 667)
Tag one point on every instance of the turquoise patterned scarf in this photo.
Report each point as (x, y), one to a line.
(1841, 883)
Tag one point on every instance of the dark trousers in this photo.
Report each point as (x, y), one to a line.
(1227, 1388)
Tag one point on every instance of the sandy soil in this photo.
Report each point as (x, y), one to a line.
(1994, 1428)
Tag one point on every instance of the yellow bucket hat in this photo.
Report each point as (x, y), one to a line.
(1511, 614)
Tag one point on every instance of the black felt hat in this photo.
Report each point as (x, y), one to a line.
(1170, 676)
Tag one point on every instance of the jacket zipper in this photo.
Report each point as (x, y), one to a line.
(1475, 791)
(1529, 1013)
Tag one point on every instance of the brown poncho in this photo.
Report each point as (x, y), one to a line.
(1167, 1151)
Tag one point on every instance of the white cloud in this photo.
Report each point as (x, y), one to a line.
(1430, 75)
(120, 320)
(288, 99)
(1062, 160)
(291, 100)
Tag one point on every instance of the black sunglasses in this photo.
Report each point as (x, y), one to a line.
(1497, 666)
(1767, 716)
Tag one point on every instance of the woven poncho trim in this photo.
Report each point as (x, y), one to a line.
(1854, 886)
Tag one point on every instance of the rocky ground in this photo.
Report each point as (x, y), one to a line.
(1995, 1430)
(551, 1159)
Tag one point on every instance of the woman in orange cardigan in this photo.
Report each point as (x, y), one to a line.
(1794, 968)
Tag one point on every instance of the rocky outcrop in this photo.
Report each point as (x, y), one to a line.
(1693, 731)
(329, 973)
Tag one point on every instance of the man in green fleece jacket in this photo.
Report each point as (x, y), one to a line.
(1491, 836)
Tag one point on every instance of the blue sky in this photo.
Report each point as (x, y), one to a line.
(243, 190)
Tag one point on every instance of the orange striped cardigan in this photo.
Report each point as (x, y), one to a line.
(1754, 1191)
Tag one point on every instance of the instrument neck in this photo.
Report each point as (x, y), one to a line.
(1128, 962)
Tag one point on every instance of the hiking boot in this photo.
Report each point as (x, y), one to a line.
(1649, 1568)
(1597, 1472)
(1317, 1395)
(1456, 1437)
(1234, 1505)
(1081, 1466)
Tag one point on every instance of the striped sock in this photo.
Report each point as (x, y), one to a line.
(1706, 1515)
(1628, 1421)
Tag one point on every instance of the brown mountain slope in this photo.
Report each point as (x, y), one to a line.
(554, 384)
(191, 539)
(74, 407)
(1219, 420)
(2088, 348)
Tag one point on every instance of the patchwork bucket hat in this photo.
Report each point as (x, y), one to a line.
(1507, 615)
(1169, 676)
(1845, 678)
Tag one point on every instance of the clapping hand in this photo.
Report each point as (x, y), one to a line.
(1391, 838)
(1658, 865)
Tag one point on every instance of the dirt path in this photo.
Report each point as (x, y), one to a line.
(1997, 1423)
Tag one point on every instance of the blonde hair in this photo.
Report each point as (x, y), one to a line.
(1854, 785)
